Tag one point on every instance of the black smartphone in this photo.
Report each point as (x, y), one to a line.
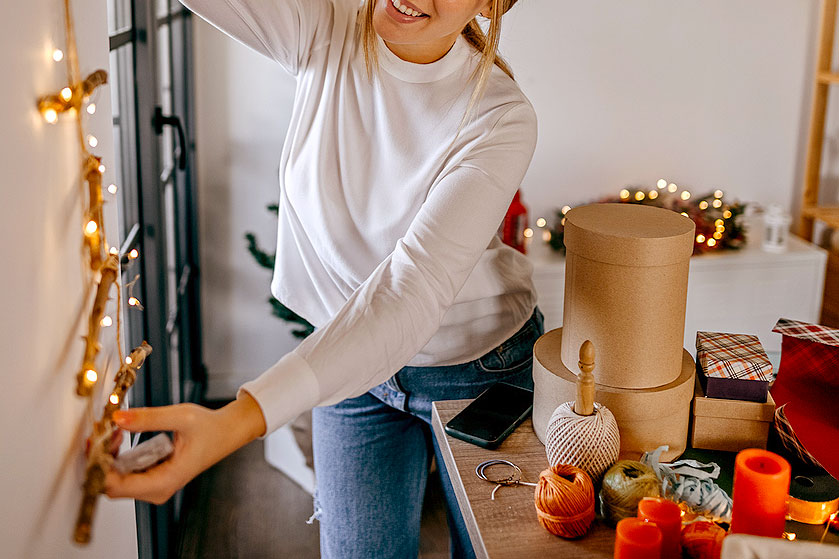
(492, 416)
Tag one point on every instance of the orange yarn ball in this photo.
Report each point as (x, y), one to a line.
(564, 501)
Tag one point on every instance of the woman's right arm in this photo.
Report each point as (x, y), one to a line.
(284, 30)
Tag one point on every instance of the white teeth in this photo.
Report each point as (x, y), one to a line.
(404, 9)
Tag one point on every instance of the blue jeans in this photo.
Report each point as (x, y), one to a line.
(373, 452)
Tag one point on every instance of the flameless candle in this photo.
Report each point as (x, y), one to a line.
(637, 539)
(668, 517)
(761, 484)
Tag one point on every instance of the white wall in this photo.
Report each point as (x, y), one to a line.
(43, 423)
(242, 109)
(711, 94)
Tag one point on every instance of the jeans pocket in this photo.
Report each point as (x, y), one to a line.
(513, 354)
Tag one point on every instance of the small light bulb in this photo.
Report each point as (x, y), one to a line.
(718, 194)
(711, 242)
(661, 183)
(92, 141)
(717, 203)
(58, 55)
(672, 187)
(114, 399)
(719, 222)
(640, 195)
(133, 301)
(102, 169)
(700, 239)
(566, 209)
(703, 205)
(128, 360)
(91, 108)
(685, 195)
(541, 222)
(685, 214)
(66, 93)
(789, 535)
(90, 375)
(546, 236)
(528, 233)
(726, 214)
(51, 116)
(113, 250)
(106, 321)
(134, 253)
(624, 194)
(563, 221)
(112, 189)
(91, 227)
(653, 194)
(718, 235)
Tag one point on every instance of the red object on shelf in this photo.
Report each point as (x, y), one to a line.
(637, 539)
(761, 485)
(514, 224)
(668, 517)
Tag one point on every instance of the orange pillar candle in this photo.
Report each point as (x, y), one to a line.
(637, 539)
(761, 485)
(668, 517)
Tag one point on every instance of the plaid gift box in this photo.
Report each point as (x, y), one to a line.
(733, 366)
(808, 388)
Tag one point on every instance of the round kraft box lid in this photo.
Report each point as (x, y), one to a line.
(629, 234)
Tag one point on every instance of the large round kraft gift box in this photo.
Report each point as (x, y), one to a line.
(626, 278)
(647, 417)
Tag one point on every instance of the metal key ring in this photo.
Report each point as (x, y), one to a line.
(512, 479)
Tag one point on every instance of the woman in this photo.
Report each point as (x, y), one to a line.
(407, 141)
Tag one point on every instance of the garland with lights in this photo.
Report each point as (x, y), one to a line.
(717, 226)
(102, 272)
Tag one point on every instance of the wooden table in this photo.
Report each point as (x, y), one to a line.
(507, 526)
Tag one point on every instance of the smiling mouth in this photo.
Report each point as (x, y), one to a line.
(406, 10)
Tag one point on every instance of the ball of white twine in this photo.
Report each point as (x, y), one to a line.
(589, 442)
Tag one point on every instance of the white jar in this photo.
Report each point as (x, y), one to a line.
(776, 224)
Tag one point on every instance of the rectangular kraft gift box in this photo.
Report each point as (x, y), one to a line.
(733, 366)
(730, 425)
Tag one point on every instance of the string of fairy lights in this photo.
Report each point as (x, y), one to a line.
(716, 221)
(102, 271)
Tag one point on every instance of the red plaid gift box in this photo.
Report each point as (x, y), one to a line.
(733, 366)
(808, 383)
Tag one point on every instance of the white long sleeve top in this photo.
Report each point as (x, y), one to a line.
(387, 216)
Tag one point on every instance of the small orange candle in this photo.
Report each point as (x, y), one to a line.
(637, 539)
(668, 517)
(761, 485)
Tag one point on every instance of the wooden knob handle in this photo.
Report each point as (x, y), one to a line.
(584, 404)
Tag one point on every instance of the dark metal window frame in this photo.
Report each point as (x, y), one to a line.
(160, 213)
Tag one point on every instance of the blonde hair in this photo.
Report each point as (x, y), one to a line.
(484, 43)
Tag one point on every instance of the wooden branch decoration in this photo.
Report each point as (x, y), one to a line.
(99, 460)
(94, 229)
(71, 97)
(87, 376)
(584, 404)
(125, 378)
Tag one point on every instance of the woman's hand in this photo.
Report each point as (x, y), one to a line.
(202, 438)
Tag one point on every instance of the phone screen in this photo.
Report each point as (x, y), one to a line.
(493, 415)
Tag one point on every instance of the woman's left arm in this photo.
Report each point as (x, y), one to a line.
(386, 321)
(400, 306)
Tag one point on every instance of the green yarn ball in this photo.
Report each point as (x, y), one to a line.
(624, 485)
